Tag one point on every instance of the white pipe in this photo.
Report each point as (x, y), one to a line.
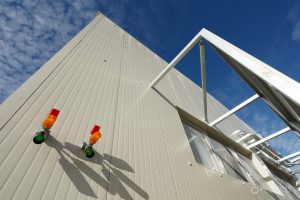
(235, 109)
(296, 172)
(203, 77)
(269, 137)
(236, 132)
(245, 137)
(295, 159)
(184, 51)
(289, 156)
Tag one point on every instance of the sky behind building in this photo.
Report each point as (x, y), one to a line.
(33, 31)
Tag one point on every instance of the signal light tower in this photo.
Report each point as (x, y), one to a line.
(94, 137)
(48, 122)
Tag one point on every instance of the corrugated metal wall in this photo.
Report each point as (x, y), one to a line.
(101, 77)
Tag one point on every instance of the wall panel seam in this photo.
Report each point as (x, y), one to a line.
(116, 111)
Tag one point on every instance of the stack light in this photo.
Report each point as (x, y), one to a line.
(95, 135)
(47, 124)
(50, 119)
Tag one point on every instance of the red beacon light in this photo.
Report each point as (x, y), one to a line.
(47, 124)
(50, 119)
(95, 135)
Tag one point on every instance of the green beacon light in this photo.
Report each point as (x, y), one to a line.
(38, 139)
(89, 152)
(40, 136)
(88, 149)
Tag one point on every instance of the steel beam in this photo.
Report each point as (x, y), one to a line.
(287, 157)
(295, 159)
(235, 109)
(269, 137)
(245, 137)
(237, 132)
(292, 164)
(296, 172)
(172, 64)
(203, 77)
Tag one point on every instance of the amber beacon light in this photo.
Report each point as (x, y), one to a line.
(95, 135)
(47, 124)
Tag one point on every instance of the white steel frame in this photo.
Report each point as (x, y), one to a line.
(234, 110)
(247, 136)
(280, 81)
(203, 76)
(278, 133)
(296, 172)
(295, 159)
(287, 157)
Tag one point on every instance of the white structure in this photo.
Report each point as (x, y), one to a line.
(163, 137)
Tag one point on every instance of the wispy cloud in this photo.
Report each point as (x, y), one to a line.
(294, 17)
(296, 32)
(32, 31)
(232, 91)
(287, 143)
(143, 20)
(293, 14)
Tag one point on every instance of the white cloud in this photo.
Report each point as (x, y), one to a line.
(32, 31)
(293, 14)
(286, 144)
(294, 17)
(232, 91)
(296, 32)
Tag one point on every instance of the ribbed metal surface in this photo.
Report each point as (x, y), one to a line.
(102, 77)
(287, 189)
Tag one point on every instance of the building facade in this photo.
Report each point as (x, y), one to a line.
(154, 142)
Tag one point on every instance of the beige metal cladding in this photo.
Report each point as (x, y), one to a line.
(101, 77)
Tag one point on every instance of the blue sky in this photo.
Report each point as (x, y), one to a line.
(32, 31)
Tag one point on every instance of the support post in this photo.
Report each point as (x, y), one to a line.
(235, 109)
(203, 76)
(269, 137)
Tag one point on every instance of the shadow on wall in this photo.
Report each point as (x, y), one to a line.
(111, 169)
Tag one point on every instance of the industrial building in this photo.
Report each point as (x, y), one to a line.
(162, 136)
